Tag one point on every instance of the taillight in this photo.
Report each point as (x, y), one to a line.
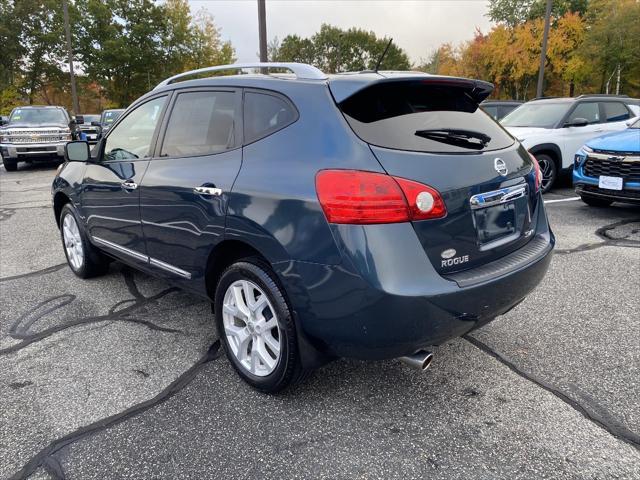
(357, 197)
(538, 172)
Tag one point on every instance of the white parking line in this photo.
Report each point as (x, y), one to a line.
(562, 200)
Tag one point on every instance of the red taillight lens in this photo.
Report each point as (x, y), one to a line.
(538, 172)
(357, 197)
(424, 201)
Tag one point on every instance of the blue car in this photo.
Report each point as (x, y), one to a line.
(366, 215)
(607, 169)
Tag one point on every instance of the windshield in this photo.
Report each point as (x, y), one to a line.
(542, 115)
(91, 118)
(110, 116)
(38, 116)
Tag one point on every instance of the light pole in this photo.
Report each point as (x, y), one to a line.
(543, 53)
(67, 31)
(262, 30)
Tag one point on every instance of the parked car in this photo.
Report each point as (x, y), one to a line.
(367, 216)
(607, 168)
(553, 129)
(499, 109)
(89, 127)
(36, 133)
(108, 118)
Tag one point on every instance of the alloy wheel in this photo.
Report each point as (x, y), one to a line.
(72, 242)
(251, 327)
(547, 173)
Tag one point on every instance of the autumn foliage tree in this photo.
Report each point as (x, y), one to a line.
(585, 49)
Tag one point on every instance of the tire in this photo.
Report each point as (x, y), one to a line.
(84, 259)
(549, 171)
(596, 202)
(250, 348)
(10, 165)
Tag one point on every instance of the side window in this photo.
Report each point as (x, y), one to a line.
(201, 123)
(492, 110)
(131, 138)
(265, 114)
(590, 111)
(615, 112)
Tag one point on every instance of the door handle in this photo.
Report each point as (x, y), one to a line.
(129, 185)
(213, 191)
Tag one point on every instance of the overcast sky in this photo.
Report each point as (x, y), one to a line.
(419, 27)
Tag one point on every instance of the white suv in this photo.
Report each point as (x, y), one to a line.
(553, 129)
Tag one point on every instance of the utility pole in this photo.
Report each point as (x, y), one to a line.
(262, 30)
(67, 30)
(543, 53)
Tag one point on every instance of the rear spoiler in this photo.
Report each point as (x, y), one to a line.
(343, 87)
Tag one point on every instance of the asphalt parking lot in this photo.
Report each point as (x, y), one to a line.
(122, 376)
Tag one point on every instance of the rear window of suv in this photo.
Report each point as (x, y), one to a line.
(420, 117)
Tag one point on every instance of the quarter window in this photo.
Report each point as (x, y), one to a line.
(132, 137)
(589, 111)
(265, 114)
(201, 123)
(615, 112)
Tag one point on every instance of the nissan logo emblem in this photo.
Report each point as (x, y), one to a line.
(500, 167)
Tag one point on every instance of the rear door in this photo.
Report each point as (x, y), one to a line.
(436, 134)
(110, 196)
(183, 196)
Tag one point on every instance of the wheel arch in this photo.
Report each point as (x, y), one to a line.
(550, 149)
(60, 199)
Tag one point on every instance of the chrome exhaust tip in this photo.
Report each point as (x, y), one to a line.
(420, 360)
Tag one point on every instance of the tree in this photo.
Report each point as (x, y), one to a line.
(335, 50)
(517, 12)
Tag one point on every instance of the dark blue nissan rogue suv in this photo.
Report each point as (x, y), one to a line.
(367, 215)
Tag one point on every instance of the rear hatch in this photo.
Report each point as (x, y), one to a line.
(431, 130)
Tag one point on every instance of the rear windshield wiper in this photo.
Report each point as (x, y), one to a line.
(452, 136)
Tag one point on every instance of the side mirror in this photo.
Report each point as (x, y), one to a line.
(628, 123)
(4, 121)
(577, 122)
(77, 151)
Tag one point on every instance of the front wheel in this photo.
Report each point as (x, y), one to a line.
(549, 171)
(596, 202)
(10, 165)
(84, 259)
(257, 327)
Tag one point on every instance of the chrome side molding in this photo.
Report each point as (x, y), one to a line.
(142, 257)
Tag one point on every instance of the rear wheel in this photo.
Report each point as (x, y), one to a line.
(549, 171)
(596, 202)
(256, 326)
(84, 259)
(10, 165)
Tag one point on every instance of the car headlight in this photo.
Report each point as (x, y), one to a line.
(587, 149)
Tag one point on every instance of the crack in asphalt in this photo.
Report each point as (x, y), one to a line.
(20, 329)
(35, 273)
(594, 413)
(46, 457)
(608, 240)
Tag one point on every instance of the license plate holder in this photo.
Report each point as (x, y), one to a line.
(610, 183)
(493, 223)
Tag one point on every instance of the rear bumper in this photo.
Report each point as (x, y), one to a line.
(386, 300)
(588, 186)
(31, 151)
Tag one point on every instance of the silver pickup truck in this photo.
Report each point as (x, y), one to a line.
(36, 133)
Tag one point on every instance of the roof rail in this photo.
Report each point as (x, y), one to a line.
(543, 98)
(302, 71)
(589, 95)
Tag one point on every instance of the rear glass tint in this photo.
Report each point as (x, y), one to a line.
(420, 117)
